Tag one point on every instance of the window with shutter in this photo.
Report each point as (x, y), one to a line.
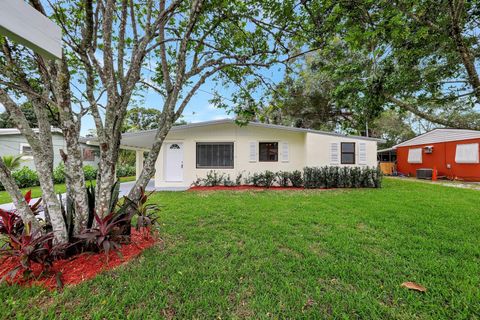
(334, 153)
(414, 155)
(285, 152)
(348, 152)
(467, 153)
(268, 151)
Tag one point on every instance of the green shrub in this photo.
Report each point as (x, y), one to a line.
(26, 177)
(296, 178)
(283, 178)
(256, 179)
(239, 179)
(269, 178)
(227, 182)
(214, 178)
(265, 179)
(125, 170)
(345, 177)
(59, 173)
(90, 172)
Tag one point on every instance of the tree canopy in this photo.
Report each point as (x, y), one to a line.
(418, 56)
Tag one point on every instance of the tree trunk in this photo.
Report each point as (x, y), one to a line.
(50, 199)
(463, 50)
(41, 145)
(76, 187)
(75, 181)
(148, 170)
(23, 209)
(105, 180)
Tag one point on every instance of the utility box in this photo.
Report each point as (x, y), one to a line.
(424, 173)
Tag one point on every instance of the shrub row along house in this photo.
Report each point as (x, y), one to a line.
(191, 151)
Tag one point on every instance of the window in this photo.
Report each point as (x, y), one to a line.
(25, 149)
(215, 155)
(88, 155)
(415, 155)
(348, 153)
(268, 151)
(467, 153)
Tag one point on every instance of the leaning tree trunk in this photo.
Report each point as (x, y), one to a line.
(41, 145)
(148, 170)
(23, 209)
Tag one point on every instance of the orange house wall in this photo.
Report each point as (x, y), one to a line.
(443, 154)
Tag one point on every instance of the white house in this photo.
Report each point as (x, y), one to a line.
(191, 150)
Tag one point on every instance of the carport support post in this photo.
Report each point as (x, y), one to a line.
(138, 163)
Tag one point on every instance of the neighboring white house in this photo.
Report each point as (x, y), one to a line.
(191, 150)
(12, 142)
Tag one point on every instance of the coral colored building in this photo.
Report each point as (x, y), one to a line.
(454, 153)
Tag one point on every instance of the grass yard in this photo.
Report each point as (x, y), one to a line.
(37, 192)
(280, 254)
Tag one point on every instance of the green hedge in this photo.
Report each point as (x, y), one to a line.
(89, 171)
(341, 177)
(26, 177)
(312, 177)
(125, 171)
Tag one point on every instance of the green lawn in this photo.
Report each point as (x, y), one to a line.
(306, 254)
(37, 192)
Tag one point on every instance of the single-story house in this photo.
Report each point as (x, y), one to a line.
(454, 153)
(12, 142)
(191, 150)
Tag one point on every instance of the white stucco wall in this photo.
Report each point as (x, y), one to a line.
(304, 149)
(319, 153)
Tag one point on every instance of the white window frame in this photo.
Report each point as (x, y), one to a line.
(461, 157)
(412, 157)
(268, 141)
(25, 156)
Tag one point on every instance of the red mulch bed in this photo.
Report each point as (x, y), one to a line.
(243, 187)
(81, 267)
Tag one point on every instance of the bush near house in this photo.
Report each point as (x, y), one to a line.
(25, 177)
(125, 170)
(341, 177)
(312, 177)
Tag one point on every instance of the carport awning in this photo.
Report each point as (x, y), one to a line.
(134, 140)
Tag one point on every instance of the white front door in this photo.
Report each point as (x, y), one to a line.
(174, 162)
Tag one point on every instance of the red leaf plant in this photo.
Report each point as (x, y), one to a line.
(30, 247)
(102, 235)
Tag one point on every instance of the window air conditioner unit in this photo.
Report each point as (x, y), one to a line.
(428, 149)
